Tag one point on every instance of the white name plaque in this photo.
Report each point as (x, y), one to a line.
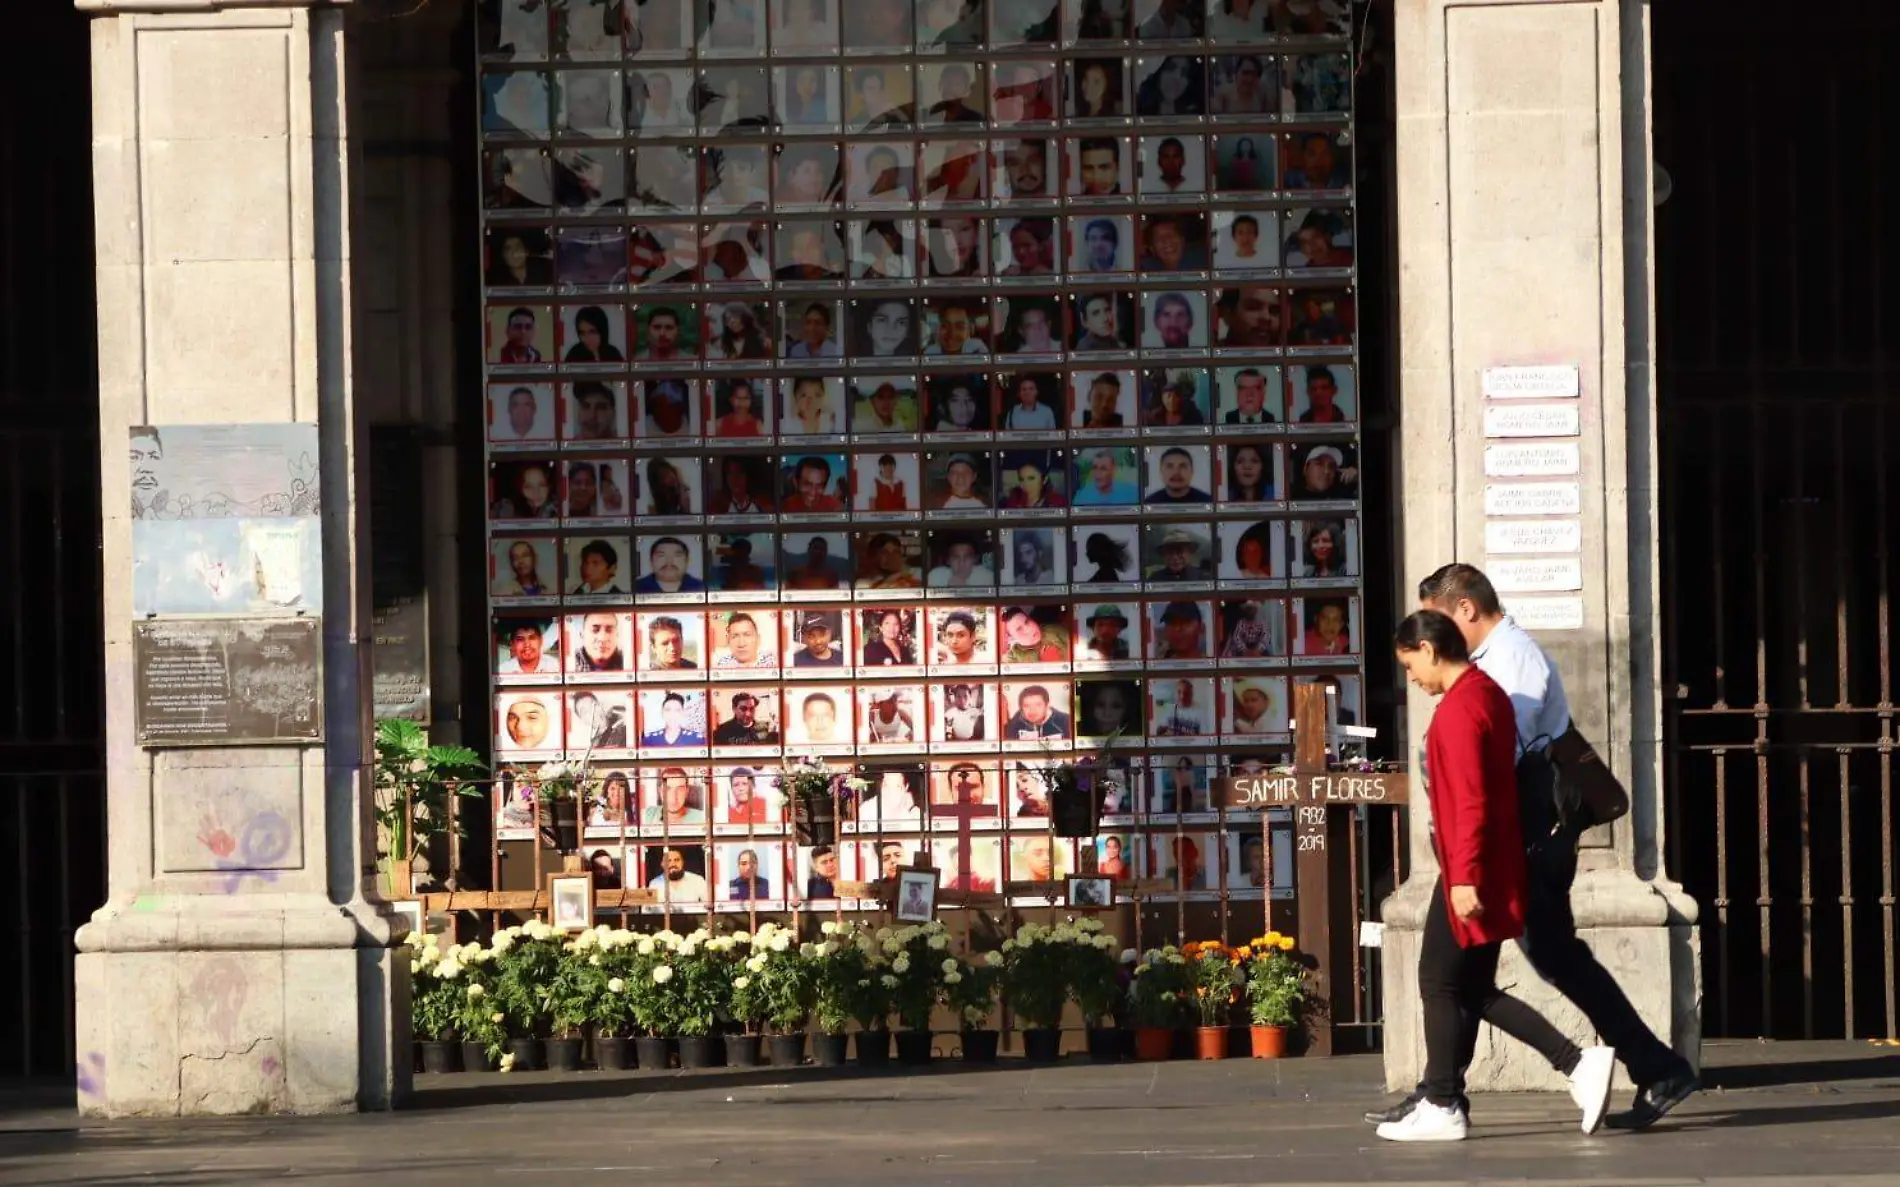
(1547, 614)
(1556, 575)
(1537, 459)
(1531, 420)
(1533, 498)
(1557, 382)
(1508, 537)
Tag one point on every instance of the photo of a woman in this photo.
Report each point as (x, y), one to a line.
(593, 337)
(883, 328)
(736, 331)
(893, 638)
(1249, 475)
(1177, 87)
(1244, 84)
(1096, 89)
(667, 493)
(519, 258)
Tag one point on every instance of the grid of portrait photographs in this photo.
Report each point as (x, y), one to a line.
(934, 388)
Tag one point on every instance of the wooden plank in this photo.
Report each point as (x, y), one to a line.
(1290, 789)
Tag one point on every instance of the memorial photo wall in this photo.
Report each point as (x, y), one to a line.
(939, 390)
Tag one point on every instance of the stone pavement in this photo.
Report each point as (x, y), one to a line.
(1808, 1114)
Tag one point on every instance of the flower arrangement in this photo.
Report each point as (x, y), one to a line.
(1161, 988)
(526, 959)
(702, 983)
(776, 983)
(439, 990)
(1095, 975)
(847, 981)
(1036, 974)
(595, 964)
(1276, 981)
(918, 962)
(970, 990)
(1214, 970)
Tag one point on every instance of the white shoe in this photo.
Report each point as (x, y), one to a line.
(1590, 1085)
(1427, 1123)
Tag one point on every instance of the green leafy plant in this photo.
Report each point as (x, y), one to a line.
(436, 1000)
(847, 982)
(918, 960)
(1276, 982)
(415, 785)
(777, 983)
(970, 990)
(1095, 980)
(1214, 970)
(1036, 974)
(701, 988)
(526, 960)
(1161, 990)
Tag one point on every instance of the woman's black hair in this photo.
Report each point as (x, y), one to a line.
(1429, 626)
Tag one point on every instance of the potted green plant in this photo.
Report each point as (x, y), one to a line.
(919, 959)
(1095, 982)
(1214, 969)
(815, 795)
(701, 999)
(1036, 985)
(780, 982)
(1158, 999)
(435, 1003)
(650, 998)
(1276, 993)
(569, 996)
(416, 785)
(845, 987)
(483, 1027)
(525, 961)
(1075, 801)
(970, 990)
(611, 1013)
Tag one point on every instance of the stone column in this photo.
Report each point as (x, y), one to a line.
(1524, 230)
(222, 181)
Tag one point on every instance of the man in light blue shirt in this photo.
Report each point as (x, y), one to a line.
(1099, 484)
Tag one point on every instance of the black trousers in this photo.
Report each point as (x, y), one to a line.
(1458, 989)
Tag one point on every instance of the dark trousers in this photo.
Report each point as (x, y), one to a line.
(1458, 989)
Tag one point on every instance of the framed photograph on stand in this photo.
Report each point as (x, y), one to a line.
(1088, 892)
(915, 898)
(570, 902)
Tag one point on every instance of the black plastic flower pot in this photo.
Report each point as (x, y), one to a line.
(527, 1053)
(613, 1054)
(475, 1057)
(1042, 1045)
(656, 1054)
(873, 1048)
(979, 1046)
(564, 1055)
(439, 1059)
(743, 1050)
(914, 1047)
(789, 1050)
(826, 1050)
(701, 1051)
(1106, 1044)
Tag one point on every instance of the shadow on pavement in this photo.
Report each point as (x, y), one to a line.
(1769, 1073)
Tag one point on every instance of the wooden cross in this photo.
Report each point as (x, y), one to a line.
(1309, 791)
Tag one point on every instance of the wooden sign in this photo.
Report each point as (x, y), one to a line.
(1240, 792)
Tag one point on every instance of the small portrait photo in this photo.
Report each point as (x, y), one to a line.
(597, 641)
(877, 26)
(1169, 20)
(1037, 557)
(1103, 399)
(1253, 628)
(960, 636)
(886, 483)
(816, 562)
(950, 93)
(599, 719)
(676, 872)
(884, 327)
(1249, 395)
(1025, 22)
(1321, 318)
(660, 254)
(666, 333)
(745, 795)
(1033, 480)
(1342, 698)
(878, 97)
(1101, 245)
(1325, 549)
(1189, 861)
(1097, 88)
(1110, 706)
(958, 325)
(891, 716)
(1173, 242)
(951, 24)
(1025, 93)
(814, 484)
(593, 334)
(823, 639)
(1253, 551)
(1321, 84)
(665, 179)
(670, 487)
(1244, 84)
(1327, 626)
(1250, 473)
(964, 785)
(974, 866)
(1026, 247)
(1250, 317)
(673, 565)
(955, 249)
(738, 253)
(1178, 785)
(1089, 893)
(515, 794)
(520, 335)
(882, 173)
(804, 26)
(591, 257)
(523, 567)
(1245, 163)
(518, 258)
(1101, 167)
(915, 898)
(1318, 163)
(516, 181)
(1039, 857)
(734, 100)
(811, 406)
(1180, 630)
(672, 641)
(958, 480)
(513, 30)
(1178, 475)
(1097, 20)
(1247, 866)
(672, 718)
(1325, 472)
(1035, 634)
(1175, 166)
(520, 414)
(883, 250)
(746, 716)
(1102, 322)
(744, 564)
(810, 329)
(1175, 319)
(596, 489)
(1243, 240)
(523, 490)
(1037, 711)
(1323, 394)
(882, 405)
(1174, 553)
(660, 101)
(963, 711)
(810, 251)
(1105, 554)
(674, 798)
(730, 27)
(1182, 708)
(819, 715)
(611, 801)
(1319, 240)
(808, 98)
(527, 723)
(1173, 86)
(1033, 403)
(733, 176)
(1107, 631)
(1032, 325)
(750, 872)
(526, 645)
(1026, 170)
(745, 640)
(1106, 475)
(895, 800)
(1255, 705)
(819, 868)
(570, 902)
(516, 105)
(740, 409)
(959, 402)
(892, 637)
(742, 484)
(587, 103)
(954, 172)
(962, 559)
(657, 27)
(738, 331)
(1174, 397)
(593, 565)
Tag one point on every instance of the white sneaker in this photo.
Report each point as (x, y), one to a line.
(1427, 1123)
(1590, 1085)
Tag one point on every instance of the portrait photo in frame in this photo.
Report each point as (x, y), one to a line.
(914, 898)
(1082, 892)
(570, 902)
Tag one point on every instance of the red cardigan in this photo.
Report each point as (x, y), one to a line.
(1471, 767)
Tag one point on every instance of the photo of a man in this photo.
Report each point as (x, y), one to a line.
(594, 640)
(1037, 718)
(670, 565)
(524, 646)
(675, 880)
(750, 718)
(673, 718)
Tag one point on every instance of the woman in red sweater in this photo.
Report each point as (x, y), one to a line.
(1471, 783)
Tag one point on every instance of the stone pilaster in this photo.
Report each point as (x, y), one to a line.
(222, 181)
(1524, 204)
